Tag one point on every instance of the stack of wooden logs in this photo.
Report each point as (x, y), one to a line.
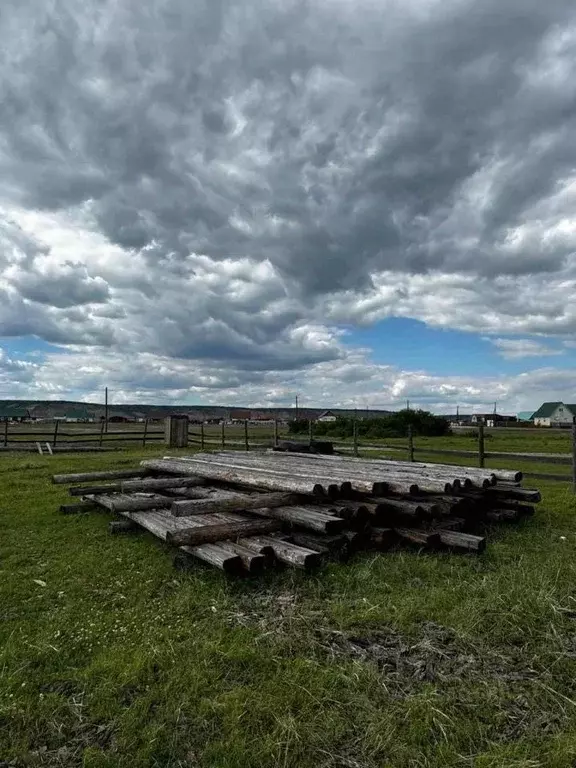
(243, 512)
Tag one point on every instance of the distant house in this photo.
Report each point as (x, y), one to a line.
(75, 415)
(239, 414)
(326, 416)
(525, 416)
(492, 419)
(555, 414)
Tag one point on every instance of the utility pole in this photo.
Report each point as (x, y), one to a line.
(106, 410)
(407, 405)
(296, 407)
(495, 404)
(457, 413)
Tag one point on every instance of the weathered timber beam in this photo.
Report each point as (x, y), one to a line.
(383, 538)
(465, 541)
(336, 546)
(132, 486)
(291, 554)
(241, 476)
(213, 554)
(502, 515)
(333, 484)
(530, 495)
(400, 477)
(473, 475)
(209, 534)
(523, 509)
(86, 477)
(231, 503)
(130, 503)
(304, 517)
(404, 506)
(253, 562)
(419, 536)
(450, 524)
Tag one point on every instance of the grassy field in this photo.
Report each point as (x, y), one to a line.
(110, 658)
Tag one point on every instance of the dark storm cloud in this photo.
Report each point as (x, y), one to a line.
(330, 140)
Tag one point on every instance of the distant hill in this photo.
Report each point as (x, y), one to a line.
(61, 409)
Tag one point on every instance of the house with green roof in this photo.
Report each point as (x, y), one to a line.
(554, 414)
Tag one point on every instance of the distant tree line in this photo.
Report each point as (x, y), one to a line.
(394, 425)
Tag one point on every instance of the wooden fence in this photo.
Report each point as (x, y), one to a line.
(57, 435)
(201, 437)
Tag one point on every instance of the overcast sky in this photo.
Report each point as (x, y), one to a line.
(234, 201)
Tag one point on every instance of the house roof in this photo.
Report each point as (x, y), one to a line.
(326, 413)
(547, 409)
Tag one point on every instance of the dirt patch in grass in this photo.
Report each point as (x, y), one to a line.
(438, 655)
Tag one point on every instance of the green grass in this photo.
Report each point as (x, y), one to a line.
(110, 658)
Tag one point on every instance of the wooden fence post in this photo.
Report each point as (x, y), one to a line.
(145, 433)
(310, 431)
(102, 425)
(202, 436)
(481, 455)
(5, 433)
(275, 433)
(56, 423)
(223, 434)
(355, 434)
(246, 445)
(410, 443)
(574, 455)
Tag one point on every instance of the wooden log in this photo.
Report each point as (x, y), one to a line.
(383, 538)
(305, 517)
(356, 514)
(116, 527)
(121, 503)
(404, 506)
(254, 545)
(530, 495)
(132, 486)
(213, 554)
(335, 546)
(248, 477)
(473, 475)
(208, 534)
(157, 522)
(74, 509)
(502, 515)
(187, 493)
(371, 481)
(526, 510)
(398, 482)
(86, 477)
(253, 562)
(232, 502)
(465, 541)
(291, 554)
(419, 536)
(356, 539)
(450, 524)
(332, 483)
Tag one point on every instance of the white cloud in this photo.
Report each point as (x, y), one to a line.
(512, 349)
(350, 381)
